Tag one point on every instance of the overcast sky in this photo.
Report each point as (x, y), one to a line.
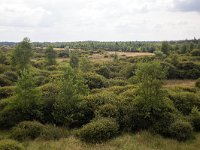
(103, 20)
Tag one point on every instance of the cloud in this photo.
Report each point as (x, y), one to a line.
(73, 20)
(187, 5)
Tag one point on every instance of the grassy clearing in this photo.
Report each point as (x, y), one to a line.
(132, 54)
(179, 83)
(140, 141)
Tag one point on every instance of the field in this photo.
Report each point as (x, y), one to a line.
(139, 141)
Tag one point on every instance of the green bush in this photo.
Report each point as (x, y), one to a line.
(195, 52)
(4, 81)
(195, 119)
(41, 80)
(2, 68)
(11, 75)
(104, 71)
(7, 91)
(49, 94)
(117, 82)
(181, 130)
(27, 130)
(197, 84)
(96, 100)
(94, 80)
(51, 68)
(51, 132)
(98, 131)
(107, 110)
(10, 145)
(185, 101)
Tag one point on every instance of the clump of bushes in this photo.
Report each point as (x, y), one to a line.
(7, 91)
(10, 145)
(185, 101)
(107, 110)
(94, 80)
(98, 131)
(195, 119)
(181, 130)
(195, 52)
(51, 132)
(27, 130)
(197, 84)
(30, 130)
(4, 81)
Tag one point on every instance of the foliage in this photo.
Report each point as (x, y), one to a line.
(10, 145)
(185, 101)
(98, 131)
(51, 132)
(165, 48)
(66, 107)
(27, 130)
(74, 60)
(85, 64)
(195, 118)
(107, 110)
(50, 55)
(22, 54)
(195, 52)
(94, 80)
(7, 91)
(181, 130)
(197, 84)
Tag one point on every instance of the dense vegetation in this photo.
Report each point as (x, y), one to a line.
(49, 94)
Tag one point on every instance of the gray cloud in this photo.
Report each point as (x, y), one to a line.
(73, 20)
(187, 5)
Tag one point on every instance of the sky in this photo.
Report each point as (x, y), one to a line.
(99, 20)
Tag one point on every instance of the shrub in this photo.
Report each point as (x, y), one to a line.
(49, 94)
(98, 130)
(2, 68)
(94, 80)
(117, 82)
(104, 71)
(96, 100)
(41, 80)
(195, 52)
(107, 110)
(51, 68)
(181, 130)
(4, 81)
(10, 145)
(185, 101)
(27, 130)
(51, 132)
(11, 75)
(7, 91)
(195, 119)
(197, 84)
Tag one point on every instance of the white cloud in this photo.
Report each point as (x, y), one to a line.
(72, 20)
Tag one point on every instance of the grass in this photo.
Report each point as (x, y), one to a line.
(132, 54)
(179, 83)
(140, 141)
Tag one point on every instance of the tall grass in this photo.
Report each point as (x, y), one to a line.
(140, 141)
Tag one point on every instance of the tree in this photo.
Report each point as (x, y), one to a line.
(151, 107)
(150, 79)
(28, 97)
(2, 58)
(50, 55)
(85, 65)
(165, 48)
(74, 60)
(67, 106)
(22, 54)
